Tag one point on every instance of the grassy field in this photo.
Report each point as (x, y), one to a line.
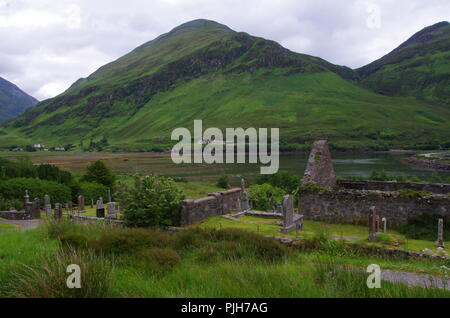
(196, 263)
(311, 228)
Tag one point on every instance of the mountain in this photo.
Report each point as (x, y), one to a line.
(419, 67)
(13, 101)
(204, 70)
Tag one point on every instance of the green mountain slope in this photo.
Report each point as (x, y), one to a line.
(419, 67)
(13, 101)
(204, 70)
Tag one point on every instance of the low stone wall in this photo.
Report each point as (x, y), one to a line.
(90, 219)
(16, 215)
(352, 206)
(218, 203)
(394, 186)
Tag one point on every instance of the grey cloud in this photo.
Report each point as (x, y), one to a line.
(47, 44)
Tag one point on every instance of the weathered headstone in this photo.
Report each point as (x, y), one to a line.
(440, 240)
(291, 220)
(377, 224)
(100, 210)
(111, 208)
(319, 168)
(92, 203)
(47, 205)
(272, 204)
(384, 221)
(81, 204)
(245, 205)
(58, 211)
(372, 224)
(36, 209)
(26, 201)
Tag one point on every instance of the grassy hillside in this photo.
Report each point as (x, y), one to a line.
(419, 67)
(13, 101)
(204, 70)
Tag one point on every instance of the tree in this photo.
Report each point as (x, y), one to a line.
(153, 201)
(223, 182)
(100, 173)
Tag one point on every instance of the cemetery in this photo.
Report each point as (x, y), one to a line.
(326, 225)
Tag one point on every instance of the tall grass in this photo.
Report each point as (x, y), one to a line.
(49, 278)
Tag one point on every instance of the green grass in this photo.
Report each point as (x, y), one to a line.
(311, 228)
(201, 271)
(314, 100)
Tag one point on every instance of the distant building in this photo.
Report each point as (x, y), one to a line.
(38, 146)
(60, 149)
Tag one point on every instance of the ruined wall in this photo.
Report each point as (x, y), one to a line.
(218, 203)
(350, 206)
(394, 186)
(16, 215)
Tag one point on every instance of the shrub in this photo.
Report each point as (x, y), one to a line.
(310, 187)
(261, 194)
(121, 241)
(284, 180)
(93, 190)
(424, 227)
(223, 182)
(154, 201)
(14, 189)
(98, 172)
(73, 240)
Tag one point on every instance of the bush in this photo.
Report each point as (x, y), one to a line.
(154, 201)
(261, 194)
(283, 180)
(424, 227)
(123, 241)
(15, 189)
(223, 182)
(93, 190)
(98, 172)
(73, 240)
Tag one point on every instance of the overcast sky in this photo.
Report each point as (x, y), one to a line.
(46, 45)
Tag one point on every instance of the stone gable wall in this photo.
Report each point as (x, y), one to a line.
(217, 203)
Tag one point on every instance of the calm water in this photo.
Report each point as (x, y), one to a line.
(344, 164)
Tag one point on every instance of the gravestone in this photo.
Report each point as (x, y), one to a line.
(384, 222)
(81, 204)
(92, 203)
(58, 211)
(109, 196)
(291, 220)
(377, 224)
(279, 208)
(100, 210)
(47, 205)
(372, 224)
(111, 208)
(26, 198)
(272, 204)
(245, 205)
(319, 168)
(440, 240)
(36, 209)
